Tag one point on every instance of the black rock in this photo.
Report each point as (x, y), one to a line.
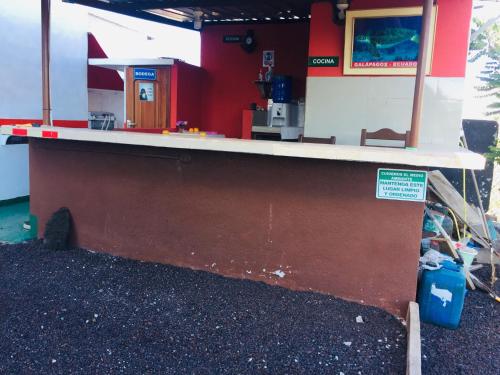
(57, 230)
(78, 312)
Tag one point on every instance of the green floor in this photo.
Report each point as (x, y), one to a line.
(12, 217)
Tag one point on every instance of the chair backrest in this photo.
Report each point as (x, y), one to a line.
(327, 141)
(385, 134)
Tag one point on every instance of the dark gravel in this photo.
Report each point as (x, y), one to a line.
(473, 348)
(77, 312)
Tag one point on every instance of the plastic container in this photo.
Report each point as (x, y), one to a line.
(429, 225)
(468, 254)
(441, 295)
(443, 219)
(102, 120)
(282, 89)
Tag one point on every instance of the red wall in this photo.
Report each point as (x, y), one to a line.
(230, 71)
(236, 212)
(450, 46)
(101, 78)
(186, 95)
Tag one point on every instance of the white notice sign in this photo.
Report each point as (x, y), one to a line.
(401, 185)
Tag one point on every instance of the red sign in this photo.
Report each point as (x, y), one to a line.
(49, 134)
(20, 132)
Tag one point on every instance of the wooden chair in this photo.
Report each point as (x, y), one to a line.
(327, 141)
(385, 134)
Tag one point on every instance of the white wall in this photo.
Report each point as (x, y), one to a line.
(14, 171)
(108, 101)
(20, 63)
(128, 37)
(342, 106)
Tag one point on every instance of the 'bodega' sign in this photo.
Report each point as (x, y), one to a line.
(323, 61)
(145, 74)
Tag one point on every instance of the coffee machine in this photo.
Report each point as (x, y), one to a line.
(283, 114)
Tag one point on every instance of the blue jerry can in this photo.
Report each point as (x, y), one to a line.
(441, 295)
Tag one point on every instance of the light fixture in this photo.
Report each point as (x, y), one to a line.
(198, 22)
(340, 7)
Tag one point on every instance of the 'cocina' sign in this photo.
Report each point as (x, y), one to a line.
(323, 61)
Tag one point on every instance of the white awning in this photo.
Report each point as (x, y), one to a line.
(120, 63)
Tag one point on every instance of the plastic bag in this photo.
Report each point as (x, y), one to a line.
(431, 260)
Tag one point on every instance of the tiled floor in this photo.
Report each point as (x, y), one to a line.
(12, 217)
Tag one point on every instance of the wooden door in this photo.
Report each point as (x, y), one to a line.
(148, 101)
(146, 104)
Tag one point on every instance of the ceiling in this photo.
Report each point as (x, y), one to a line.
(182, 12)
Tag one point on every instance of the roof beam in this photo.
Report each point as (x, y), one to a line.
(152, 4)
(230, 11)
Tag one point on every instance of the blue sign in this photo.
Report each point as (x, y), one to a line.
(145, 74)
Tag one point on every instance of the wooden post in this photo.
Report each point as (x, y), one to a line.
(414, 344)
(46, 110)
(423, 57)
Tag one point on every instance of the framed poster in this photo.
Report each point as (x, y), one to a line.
(385, 41)
(146, 92)
(268, 59)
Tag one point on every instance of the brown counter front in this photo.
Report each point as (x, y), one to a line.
(239, 215)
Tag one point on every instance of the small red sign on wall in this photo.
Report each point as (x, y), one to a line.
(20, 132)
(49, 134)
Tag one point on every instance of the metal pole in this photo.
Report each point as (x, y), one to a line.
(484, 221)
(46, 62)
(423, 57)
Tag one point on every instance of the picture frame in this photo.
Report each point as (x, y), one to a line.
(268, 59)
(385, 41)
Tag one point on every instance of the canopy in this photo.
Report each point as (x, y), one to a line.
(183, 13)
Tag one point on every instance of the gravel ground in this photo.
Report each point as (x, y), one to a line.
(77, 312)
(474, 347)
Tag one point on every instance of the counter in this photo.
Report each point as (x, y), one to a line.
(302, 216)
(422, 157)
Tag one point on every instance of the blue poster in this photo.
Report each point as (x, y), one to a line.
(391, 41)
